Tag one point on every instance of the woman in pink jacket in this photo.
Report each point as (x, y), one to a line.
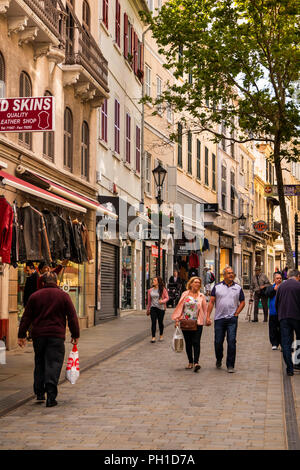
(192, 306)
(156, 306)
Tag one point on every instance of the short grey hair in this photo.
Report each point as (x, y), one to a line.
(293, 273)
(49, 278)
(225, 269)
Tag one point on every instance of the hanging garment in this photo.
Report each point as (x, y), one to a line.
(205, 245)
(81, 248)
(14, 253)
(66, 238)
(74, 248)
(86, 242)
(6, 229)
(35, 235)
(194, 261)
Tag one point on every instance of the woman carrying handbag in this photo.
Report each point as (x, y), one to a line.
(156, 306)
(190, 313)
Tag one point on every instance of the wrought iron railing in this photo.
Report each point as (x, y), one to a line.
(84, 50)
(52, 14)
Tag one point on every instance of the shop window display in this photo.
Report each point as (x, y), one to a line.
(127, 277)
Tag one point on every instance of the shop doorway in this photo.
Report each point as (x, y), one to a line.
(109, 283)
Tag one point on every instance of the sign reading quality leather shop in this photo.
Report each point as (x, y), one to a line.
(28, 114)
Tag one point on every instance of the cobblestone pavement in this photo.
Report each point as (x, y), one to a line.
(143, 398)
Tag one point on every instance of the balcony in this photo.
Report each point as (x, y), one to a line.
(85, 67)
(274, 228)
(39, 22)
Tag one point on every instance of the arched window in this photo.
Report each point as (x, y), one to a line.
(25, 89)
(2, 76)
(86, 15)
(68, 139)
(48, 140)
(85, 149)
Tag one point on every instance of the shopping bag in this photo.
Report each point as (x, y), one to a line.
(178, 340)
(72, 370)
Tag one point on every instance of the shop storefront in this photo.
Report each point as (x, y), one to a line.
(127, 276)
(48, 228)
(226, 250)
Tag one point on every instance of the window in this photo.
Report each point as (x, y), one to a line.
(223, 140)
(117, 126)
(128, 137)
(213, 183)
(169, 113)
(198, 159)
(48, 141)
(86, 15)
(70, 26)
(179, 146)
(105, 12)
(85, 149)
(148, 80)
(104, 121)
(140, 71)
(232, 192)
(206, 167)
(126, 35)
(189, 150)
(158, 93)
(2, 76)
(224, 189)
(150, 5)
(25, 89)
(118, 24)
(148, 172)
(138, 149)
(68, 139)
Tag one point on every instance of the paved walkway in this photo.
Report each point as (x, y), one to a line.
(141, 397)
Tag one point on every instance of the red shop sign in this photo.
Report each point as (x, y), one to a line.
(260, 226)
(154, 251)
(28, 114)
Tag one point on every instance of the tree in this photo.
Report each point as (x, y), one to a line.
(243, 57)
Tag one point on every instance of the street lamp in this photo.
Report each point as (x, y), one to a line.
(159, 174)
(242, 219)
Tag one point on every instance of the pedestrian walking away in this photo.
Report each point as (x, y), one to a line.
(287, 304)
(229, 300)
(274, 325)
(192, 306)
(47, 310)
(259, 284)
(156, 306)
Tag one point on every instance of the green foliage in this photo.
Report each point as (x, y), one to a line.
(243, 52)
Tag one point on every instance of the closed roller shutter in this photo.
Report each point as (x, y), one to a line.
(109, 282)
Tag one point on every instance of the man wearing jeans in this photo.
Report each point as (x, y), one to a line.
(287, 305)
(229, 299)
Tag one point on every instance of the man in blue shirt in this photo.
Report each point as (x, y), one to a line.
(229, 299)
(274, 325)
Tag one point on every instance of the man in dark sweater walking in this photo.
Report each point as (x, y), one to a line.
(287, 305)
(47, 311)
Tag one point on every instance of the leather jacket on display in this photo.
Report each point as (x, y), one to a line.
(14, 253)
(6, 229)
(35, 235)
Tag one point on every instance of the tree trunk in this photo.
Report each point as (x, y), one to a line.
(282, 206)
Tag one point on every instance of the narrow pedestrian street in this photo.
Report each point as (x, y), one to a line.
(143, 398)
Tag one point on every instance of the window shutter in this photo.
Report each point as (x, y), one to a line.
(135, 53)
(125, 35)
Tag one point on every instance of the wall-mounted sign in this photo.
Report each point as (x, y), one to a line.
(27, 114)
(154, 251)
(288, 189)
(260, 226)
(210, 207)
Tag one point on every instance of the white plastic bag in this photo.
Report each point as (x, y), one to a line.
(178, 340)
(72, 370)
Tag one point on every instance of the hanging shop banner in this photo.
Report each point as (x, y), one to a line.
(28, 114)
(289, 190)
(260, 226)
(154, 251)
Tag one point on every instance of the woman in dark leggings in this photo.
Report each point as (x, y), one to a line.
(156, 306)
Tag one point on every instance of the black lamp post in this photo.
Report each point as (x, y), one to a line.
(159, 174)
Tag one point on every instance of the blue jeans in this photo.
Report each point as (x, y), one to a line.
(287, 328)
(228, 327)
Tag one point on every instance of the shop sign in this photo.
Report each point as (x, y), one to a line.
(260, 226)
(288, 189)
(210, 207)
(154, 251)
(226, 242)
(28, 114)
